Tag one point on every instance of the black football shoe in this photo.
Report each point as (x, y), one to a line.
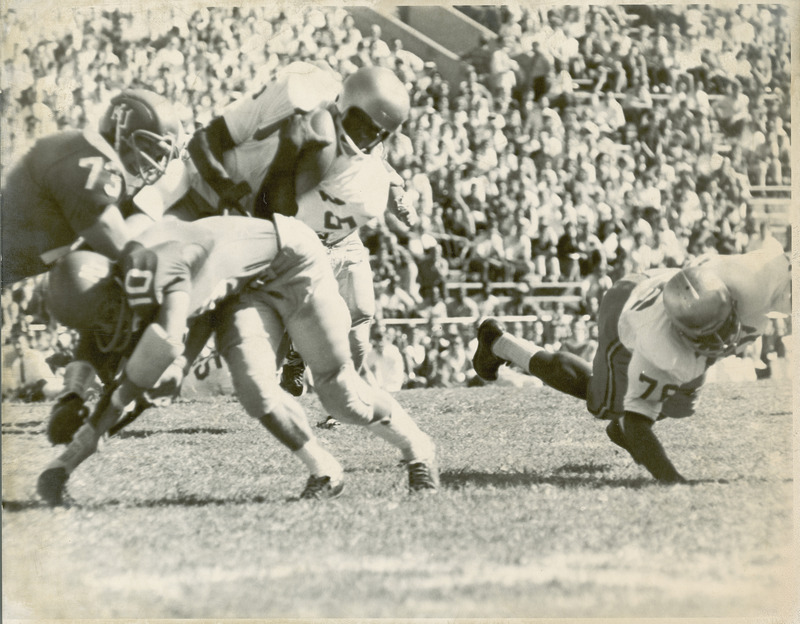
(318, 488)
(293, 374)
(51, 485)
(423, 477)
(486, 363)
(66, 417)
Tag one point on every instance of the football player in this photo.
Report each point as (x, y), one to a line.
(176, 271)
(77, 188)
(659, 334)
(309, 146)
(74, 184)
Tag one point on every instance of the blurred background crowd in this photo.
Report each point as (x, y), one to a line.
(583, 143)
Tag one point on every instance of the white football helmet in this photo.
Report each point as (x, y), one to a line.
(373, 103)
(700, 306)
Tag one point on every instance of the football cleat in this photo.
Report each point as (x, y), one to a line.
(66, 417)
(423, 477)
(51, 485)
(329, 423)
(293, 374)
(318, 488)
(486, 363)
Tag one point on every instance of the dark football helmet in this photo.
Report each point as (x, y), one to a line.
(145, 131)
(373, 103)
(700, 306)
(83, 292)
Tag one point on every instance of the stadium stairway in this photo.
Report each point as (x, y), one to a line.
(437, 34)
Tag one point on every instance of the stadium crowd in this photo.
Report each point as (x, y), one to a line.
(583, 143)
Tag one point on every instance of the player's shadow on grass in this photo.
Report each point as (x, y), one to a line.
(567, 476)
(189, 500)
(142, 433)
(22, 428)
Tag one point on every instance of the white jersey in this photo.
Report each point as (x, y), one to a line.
(661, 359)
(254, 120)
(353, 192)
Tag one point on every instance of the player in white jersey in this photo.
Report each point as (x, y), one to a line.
(176, 271)
(659, 333)
(309, 146)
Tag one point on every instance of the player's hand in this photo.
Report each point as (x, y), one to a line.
(229, 198)
(402, 208)
(168, 386)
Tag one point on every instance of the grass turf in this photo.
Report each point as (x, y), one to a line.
(185, 515)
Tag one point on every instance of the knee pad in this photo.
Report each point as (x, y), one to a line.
(152, 356)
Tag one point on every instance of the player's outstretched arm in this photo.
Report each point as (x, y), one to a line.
(206, 149)
(109, 233)
(646, 449)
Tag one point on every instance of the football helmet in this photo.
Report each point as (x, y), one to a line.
(84, 293)
(145, 131)
(373, 104)
(700, 306)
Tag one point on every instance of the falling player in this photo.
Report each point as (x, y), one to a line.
(659, 334)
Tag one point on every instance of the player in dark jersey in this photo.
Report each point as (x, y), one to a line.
(71, 184)
(76, 188)
(176, 271)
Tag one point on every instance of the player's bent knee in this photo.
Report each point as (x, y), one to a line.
(287, 422)
(348, 398)
(253, 378)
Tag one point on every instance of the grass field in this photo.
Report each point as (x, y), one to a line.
(540, 516)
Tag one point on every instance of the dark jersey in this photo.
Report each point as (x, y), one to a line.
(59, 189)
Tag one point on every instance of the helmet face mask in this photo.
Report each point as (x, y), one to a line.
(702, 310)
(364, 133)
(151, 154)
(718, 343)
(373, 104)
(145, 132)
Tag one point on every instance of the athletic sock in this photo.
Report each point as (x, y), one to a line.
(78, 377)
(515, 350)
(319, 461)
(403, 433)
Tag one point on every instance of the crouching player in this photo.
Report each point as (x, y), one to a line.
(176, 271)
(659, 333)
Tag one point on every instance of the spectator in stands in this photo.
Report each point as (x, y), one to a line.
(385, 361)
(225, 49)
(733, 109)
(569, 253)
(433, 272)
(462, 305)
